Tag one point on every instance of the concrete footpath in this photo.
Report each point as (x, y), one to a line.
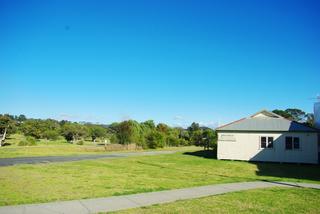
(143, 199)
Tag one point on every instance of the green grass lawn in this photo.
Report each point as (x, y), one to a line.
(274, 200)
(45, 148)
(59, 148)
(48, 150)
(107, 177)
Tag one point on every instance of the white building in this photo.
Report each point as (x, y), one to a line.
(266, 136)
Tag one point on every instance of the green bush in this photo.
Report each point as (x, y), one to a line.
(29, 141)
(155, 140)
(80, 142)
(51, 135)
(173, 141)
(183, 142)
(114, 139)
(63, 141)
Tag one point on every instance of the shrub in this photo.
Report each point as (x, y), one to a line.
(80, 142)
(173, 141)
(51, 135)
(29, 141)
(63, 141)
(114, 139)
(155, 140)
(183, 142)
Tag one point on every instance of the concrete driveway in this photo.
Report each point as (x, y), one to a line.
(50, 159)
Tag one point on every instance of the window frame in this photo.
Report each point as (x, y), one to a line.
(293, 138)
(285, 145)
(299, 148)
(267, 142)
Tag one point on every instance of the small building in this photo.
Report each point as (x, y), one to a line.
(269, 137)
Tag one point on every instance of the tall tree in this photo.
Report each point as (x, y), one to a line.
(283, 113)
(194, 127)
(21, 118)
(209, 139)
(196, 138)
(155, 140)
(74, 131)
(7, 126)
(161, 127)
(128, 132)
(310, 120)
(96, 131)
(297, 114)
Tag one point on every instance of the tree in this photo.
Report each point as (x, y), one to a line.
(161, 127)
(194, 127)
(21, 118)
(128, 132)
(183, 134)
(196, 138)
(51, 134)
(149, 124)
(282, 113)
(297, 114)
(33, 128)
(74, 131)
(38, 128)
(173, 141)
(293, 114)
(7, 127)
(310, 120)
(96, 131)
(155, 140)
(209, 139)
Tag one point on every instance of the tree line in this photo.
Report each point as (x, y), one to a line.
(145, 134)
(296, 115)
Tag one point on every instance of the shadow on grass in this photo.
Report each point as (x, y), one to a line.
(294, 171)
(210, 154)
(280, 171)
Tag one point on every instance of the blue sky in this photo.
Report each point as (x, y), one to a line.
(172, 61)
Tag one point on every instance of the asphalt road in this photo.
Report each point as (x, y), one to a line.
(51, 159)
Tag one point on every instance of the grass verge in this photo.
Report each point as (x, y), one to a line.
(61, 148)
(273, 200)
(22, 184)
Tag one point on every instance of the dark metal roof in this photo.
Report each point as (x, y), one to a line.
(267, 123)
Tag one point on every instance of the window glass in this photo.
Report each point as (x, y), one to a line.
(289, 143)
(296, 143)
(263, 142)
(270, 142)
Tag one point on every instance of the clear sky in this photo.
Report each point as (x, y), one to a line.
(172, 61)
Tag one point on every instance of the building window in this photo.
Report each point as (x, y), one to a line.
(270, 142)
(296, 143)
(266, 142)
(288, 143)
(263, 142)
(292, 143)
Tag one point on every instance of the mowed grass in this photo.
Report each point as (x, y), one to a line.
(274, 200)
(108, 177)
(49, 150)
(61, 148)
(64, 149)
(45, 148)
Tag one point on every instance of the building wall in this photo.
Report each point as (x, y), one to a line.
(246, 146)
